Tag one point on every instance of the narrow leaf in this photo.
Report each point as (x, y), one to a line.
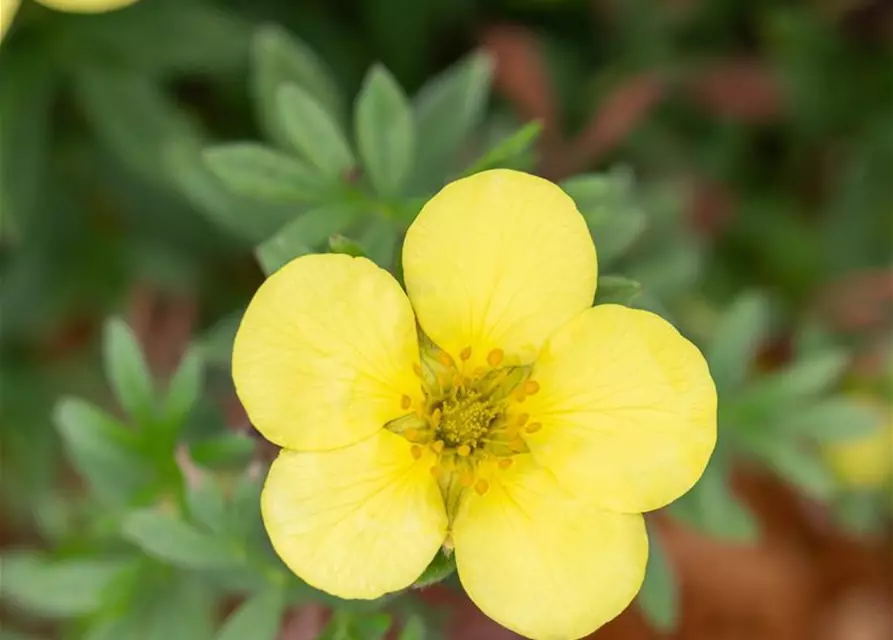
(414, 629)
(616, 290)
(258, 618)
(184, 389)
(659, 597)
(127, 370)
(340, 244)
(207, 506)
(171, 540)
(226, 450)
(259, 172)
(307, 232)
(806, 378)
(508, 150)
(385, 131)
(313, 133)
(834, 419)
(733, 348)
(441, 567)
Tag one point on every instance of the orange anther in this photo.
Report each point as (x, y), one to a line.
(494, 358)
(505, 463)
(465, 354)
(517, 444)
(405, 402)
(444, 358)
(416, 451)
(531, 387)
(533, 427)
(481, 487)
(437, 445)
(463, 450)
(416, 369)
(412, 434)
(466, 479)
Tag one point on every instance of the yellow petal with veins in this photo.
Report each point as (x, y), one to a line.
(627, 407)
(498, 261)
(324, 354)
(357, 522)
(543, 562)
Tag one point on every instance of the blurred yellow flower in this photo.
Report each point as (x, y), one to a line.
(8, 8)
(517, 425)
(865, 462)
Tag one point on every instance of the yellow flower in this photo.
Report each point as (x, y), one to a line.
(529, 440)
(8, 8)
(865, 462)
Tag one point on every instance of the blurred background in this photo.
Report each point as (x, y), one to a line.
(732, 158)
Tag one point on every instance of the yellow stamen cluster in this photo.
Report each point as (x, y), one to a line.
(468, 418)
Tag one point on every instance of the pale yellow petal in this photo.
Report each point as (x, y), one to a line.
(357, 522)
(544, 562)
(325, 352)
(8, 10)
(628, 409)
(85, 6)
(498, 260)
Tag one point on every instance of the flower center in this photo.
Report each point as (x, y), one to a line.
(465, 419)
(468, 419)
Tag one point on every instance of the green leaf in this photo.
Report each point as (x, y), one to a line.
(378, 243)
(280, 59)
(440, 568)
(312, 132)
(225, 450)
(346, 625)
(608, 203)
(244, 511)
(102, 450)
(385, 131)
(60, 588)
(207, 506)
(216, 346)
(711, 508)
(173, 541)
(127, 370)
(807, 377)
(258, 618)
(742, 328)
(259, 172)
(659, 597)
(307, 232)
(249, 220)
(799, 466)
(184, 389)
(341, 244)
(414, 629)
(134, 118)
(616, 290)
(447, 109)
(507, 150)
(834, 419)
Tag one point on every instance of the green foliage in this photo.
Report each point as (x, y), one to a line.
(659, 597)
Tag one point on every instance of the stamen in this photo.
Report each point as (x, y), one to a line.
(435, 417)
(463, 450)
(405, 402)
(522, 419)
(465, 354)
(466, 478)
(416, 451)
(479, 372)
(531, 387)
(437, 471)
(518, 444)
(437, 446)
(412, 434)
(533, 427)
(494, 358)
(444, 358)
(505, 463)
(481, 487)
(416, 369)
(520, 396)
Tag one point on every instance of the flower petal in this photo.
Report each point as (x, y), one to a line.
(500, 259)
(8, 10)
(324, 354)
(86, 6)
(627, 407)
(357, 522)
(544, 562)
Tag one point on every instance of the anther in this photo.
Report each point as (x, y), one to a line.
(445, 359)
(466, 478)
(412, 434)
(531, 387)
(416, 369)
(437, 471)
(533, 427)
(494, 358)
(416, 451)
(505, 463)
(435, 417)
(520, 396)
(437, 445)
(405, 402)
(522, 419)
(465, 354)
(463, 450)
(481, 487)
(517, 444)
